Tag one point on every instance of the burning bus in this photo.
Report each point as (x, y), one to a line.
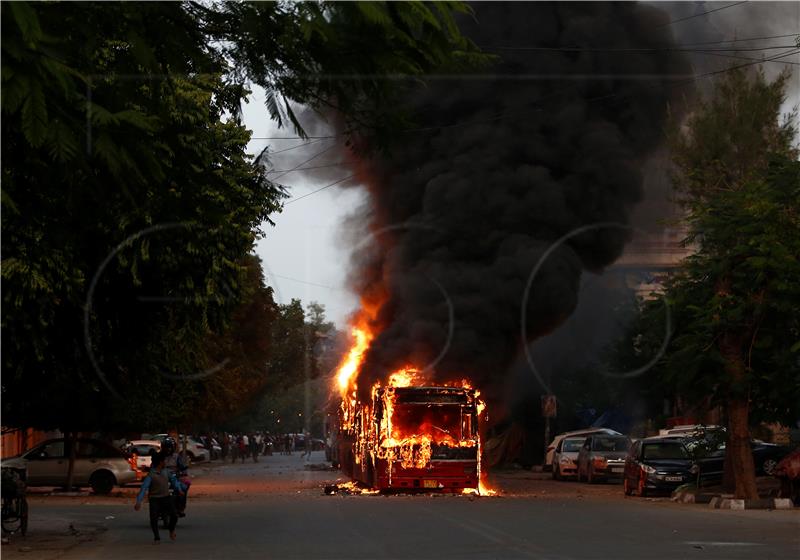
(410, 435)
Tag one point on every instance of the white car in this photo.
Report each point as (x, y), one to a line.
(548, 459)
(195, 450)
(565, 457)
(144, 449)
(688, 430)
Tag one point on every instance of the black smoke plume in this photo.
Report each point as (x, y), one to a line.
(510, 160)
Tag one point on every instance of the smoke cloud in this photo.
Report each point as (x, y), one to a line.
(512, 159)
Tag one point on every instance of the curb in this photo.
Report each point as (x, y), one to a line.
(761, 503)
(727, 501)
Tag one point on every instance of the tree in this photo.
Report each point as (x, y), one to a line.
(241, 354)
(131, 202)
(736, 304)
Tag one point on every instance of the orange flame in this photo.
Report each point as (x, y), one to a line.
(348, 369)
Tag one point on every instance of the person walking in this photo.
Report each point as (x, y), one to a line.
(156, 485)
(242, 442)
(308, 445)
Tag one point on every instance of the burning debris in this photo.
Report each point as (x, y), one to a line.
(349, 488)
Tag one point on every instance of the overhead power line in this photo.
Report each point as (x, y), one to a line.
(741, 40)
(302, 163)
(630, 49)
(342, 180)
(306, 282)
(736, 57)
(311, 167)
(301, 145)
(294, 137)
(674, 21)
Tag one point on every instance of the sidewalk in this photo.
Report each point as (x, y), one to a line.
(49, 537)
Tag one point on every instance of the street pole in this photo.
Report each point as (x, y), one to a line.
(546, 438)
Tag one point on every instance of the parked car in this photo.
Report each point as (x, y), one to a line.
(144, 449)
(766, 457)
(97, 464)
(686, 430)
(548, 459)
(195, 450)
(657, 464)
(602, 457)
(565, 458)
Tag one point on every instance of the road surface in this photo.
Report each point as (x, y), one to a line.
(277, 509)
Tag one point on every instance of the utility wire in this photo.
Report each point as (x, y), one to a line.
(632, 49)
(302, 163)
(306, 282)
(295, 137)
(741, 40)
(294, 147)
(674, 21)
(733, 56)
(311, 167)
(343, 179)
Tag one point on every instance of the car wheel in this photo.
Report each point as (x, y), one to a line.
(769, 466)
(626, 486)
(102, 482)
(556, 474)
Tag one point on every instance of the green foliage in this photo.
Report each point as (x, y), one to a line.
(126, 178)
(354, 58)
(740, 181)
(102, 150)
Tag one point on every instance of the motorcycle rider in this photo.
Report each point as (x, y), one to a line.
(156, 486)
(176, 465)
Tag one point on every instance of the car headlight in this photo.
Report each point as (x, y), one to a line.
(648, 469)
(694, 469)
(565, 460)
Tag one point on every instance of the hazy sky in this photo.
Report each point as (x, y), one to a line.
(303, 254)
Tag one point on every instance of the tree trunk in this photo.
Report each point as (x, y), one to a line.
(739, 451)
(70, 438)
(738, 454)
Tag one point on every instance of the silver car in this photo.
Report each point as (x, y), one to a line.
(565, 457)
(97, 464)
(602, 457)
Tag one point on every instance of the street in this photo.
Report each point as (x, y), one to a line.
(277, 509)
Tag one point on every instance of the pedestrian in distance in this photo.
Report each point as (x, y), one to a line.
(307, 450)
(242, 443)
(255, 446)
(156, 485)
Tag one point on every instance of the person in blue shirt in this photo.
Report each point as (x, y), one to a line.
(157, 485)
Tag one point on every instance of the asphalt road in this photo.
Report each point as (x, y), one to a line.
(276, 509)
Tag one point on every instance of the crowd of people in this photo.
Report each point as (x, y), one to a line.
(242, 446)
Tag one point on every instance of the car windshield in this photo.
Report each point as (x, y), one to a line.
(664, 450)
(609, 444)
(572, 445)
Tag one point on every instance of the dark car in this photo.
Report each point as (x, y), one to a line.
(766, 457)
(657, 465)
(602, 457)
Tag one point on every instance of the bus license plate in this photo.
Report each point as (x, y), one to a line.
(430, 484)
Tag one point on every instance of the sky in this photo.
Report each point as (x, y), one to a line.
(305, 254)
